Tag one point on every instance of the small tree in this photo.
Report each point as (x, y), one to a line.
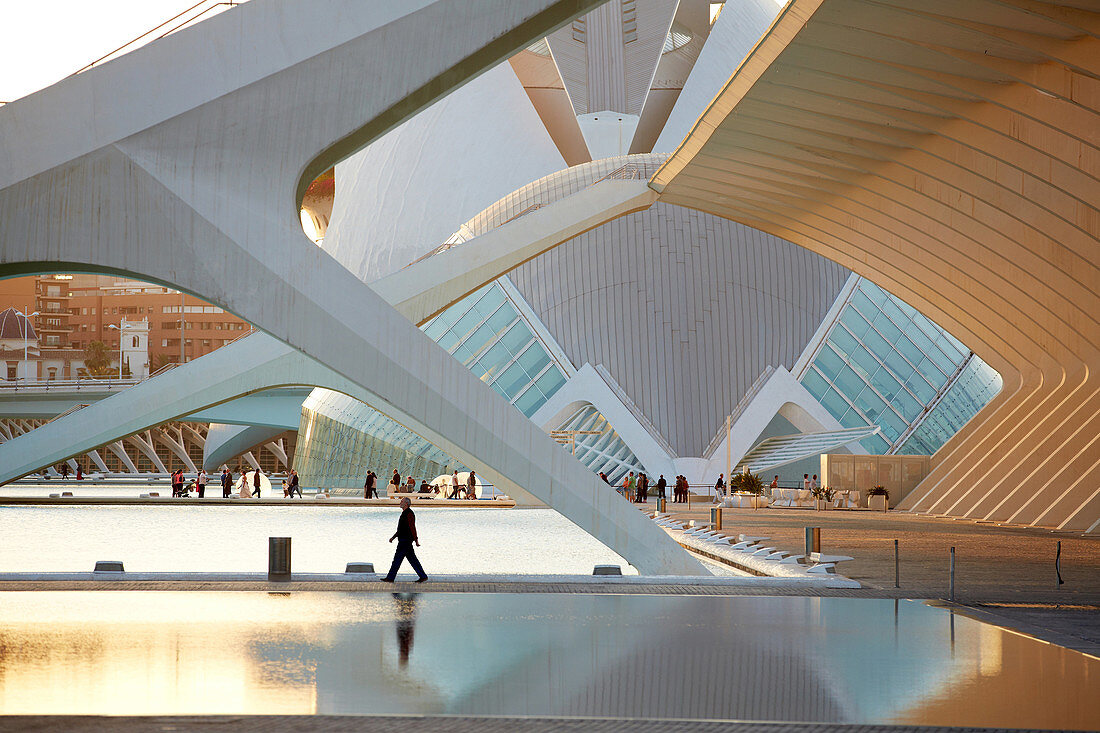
(747, 483)
(97, 359)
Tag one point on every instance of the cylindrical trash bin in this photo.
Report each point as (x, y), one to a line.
(813, 539)
(278, 558)
(661, 504)
(716, 517)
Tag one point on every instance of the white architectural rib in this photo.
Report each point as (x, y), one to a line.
(182, 196)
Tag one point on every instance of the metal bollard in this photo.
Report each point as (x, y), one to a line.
(896, 576)
(716, 517)
(813, 540)
(278, 559)
(661, 504)
(952, 574)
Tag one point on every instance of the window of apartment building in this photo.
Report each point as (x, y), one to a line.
(53, 291)
(93, 326)
(84, 311)
(53, 341)
(164, 342)
(93, 311)
(76, 344)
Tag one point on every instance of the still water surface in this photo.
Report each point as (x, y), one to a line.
(773, 658)
(324, 539)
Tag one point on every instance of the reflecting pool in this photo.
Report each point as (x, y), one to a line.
(325, 539)
(767, 658)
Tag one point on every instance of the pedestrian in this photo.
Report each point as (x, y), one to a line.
(813, 484)
(661, 484)
(200, 483)
(256, 483)
(775, 483)
(454, 486)
(471, 486)
(227, 482)
(79, 473)
(604, 477)
(369, 489)
(406, 537)
(643, 489)
(719, 487)
(64, 470)
(410, 485)
(294, 484)
(395, 483)
(177, 482)
(805, 482)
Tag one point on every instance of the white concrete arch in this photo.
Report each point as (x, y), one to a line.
(194, 178)
(946, 152)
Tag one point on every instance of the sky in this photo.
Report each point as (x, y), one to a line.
(43, 41)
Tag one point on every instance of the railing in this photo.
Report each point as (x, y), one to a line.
(86, 384)
(70, 411)
(165, 32)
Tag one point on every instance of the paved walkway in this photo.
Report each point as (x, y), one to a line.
(431, 724)
(992, 563)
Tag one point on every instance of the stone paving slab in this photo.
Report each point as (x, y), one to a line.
(435, 724)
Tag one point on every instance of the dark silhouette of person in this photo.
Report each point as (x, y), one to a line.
(256, 483)
(661, 484)
(369, 485)
(227, 482)
(406, 537)
(406, 624)
(294, 484)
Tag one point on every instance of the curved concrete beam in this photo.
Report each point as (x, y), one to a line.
(948, 156)
(203, 197)
(225, 441)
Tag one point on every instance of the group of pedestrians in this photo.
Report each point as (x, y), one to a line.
(248, 487)
(452, 488)
(680, 490)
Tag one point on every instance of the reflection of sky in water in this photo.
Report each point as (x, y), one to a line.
(767, 658)
(325, 539)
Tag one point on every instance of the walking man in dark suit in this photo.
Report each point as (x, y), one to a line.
(227, 482)
(406, 538)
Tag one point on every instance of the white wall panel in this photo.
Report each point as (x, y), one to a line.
(684, 309)
(408, 191)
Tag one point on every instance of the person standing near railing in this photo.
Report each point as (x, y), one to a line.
(661, 484)
(227, 482)
(719, 487)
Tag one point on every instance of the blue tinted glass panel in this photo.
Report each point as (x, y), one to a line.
(504, 315)
(534, 359)
(829, 362)
(848, 382)
(844, 342)
(875, 445)
(551, 381)
(886, 385)
(530, 401)
(492, 362)
(517, 337)
(511, 380)
(854, 322)
(834, 403)
(814, 383)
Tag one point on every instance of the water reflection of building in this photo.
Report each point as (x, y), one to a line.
(806, 659)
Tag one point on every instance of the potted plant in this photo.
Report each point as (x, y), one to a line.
(823, 497)
(750, 489)
(878, 498)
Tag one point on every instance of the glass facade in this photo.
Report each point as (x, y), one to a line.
(343, 438)
(486, 333)
(885, 364)
(604, 452)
